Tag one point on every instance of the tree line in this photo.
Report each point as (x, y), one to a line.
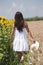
(34, 19)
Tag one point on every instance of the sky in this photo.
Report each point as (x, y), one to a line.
(29, 8)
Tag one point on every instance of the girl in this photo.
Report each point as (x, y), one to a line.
(20, 44)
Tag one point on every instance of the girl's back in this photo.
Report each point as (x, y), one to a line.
(20, 35)
(20, 40)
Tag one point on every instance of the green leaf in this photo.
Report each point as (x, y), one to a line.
(1, 55)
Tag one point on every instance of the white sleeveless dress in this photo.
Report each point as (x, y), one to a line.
(20, 41)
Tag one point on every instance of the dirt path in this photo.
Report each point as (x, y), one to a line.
(36, 28)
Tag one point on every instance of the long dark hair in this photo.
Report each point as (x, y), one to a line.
(19, 21)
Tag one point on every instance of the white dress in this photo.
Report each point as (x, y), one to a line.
(20, 41)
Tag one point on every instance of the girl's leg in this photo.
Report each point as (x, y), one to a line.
(20, 55)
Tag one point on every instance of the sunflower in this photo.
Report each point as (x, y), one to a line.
(4, 25)
(5, 22)
(11, 22)
(0, 18)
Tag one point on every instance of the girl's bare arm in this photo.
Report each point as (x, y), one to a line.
(29, 32)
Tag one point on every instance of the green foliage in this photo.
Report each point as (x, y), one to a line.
(7, 55)
(34, 18)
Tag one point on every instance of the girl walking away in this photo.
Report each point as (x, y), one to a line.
(20, 44)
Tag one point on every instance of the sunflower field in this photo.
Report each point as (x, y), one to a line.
(7, 55)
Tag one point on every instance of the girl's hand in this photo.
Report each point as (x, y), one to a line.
(33, 40)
